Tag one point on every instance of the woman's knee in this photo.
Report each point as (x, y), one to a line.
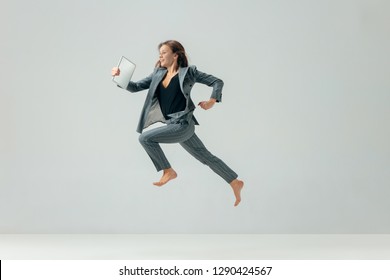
(143, 138)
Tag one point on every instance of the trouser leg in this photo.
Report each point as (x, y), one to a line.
(171, 133)
(197, 149)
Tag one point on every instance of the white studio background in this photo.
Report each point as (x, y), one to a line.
(304, 119)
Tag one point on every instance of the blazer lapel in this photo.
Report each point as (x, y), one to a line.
(182, 75)
(155, 82)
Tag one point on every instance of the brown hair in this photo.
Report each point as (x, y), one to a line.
(178, 49)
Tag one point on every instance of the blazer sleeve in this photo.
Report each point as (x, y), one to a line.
(140, 85)
(209, 80)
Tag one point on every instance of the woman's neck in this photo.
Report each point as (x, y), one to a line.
(172, 69)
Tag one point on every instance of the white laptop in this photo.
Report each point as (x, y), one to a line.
(126, 68)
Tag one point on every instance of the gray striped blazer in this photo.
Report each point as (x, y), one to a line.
(188, 76)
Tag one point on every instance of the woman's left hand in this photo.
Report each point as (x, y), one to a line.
(207, 104)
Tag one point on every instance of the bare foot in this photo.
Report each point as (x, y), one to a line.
(237, 186)
(168, 175)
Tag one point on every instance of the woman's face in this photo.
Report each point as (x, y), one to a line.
(167, 57)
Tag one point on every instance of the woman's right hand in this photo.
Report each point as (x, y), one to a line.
(115, 71)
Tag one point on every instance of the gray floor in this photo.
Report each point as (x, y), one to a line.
(187, 247)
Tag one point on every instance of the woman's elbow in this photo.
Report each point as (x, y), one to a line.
(219, 84)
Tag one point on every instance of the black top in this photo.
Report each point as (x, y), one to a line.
(171, 98)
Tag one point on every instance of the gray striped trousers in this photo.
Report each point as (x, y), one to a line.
(184, 134)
